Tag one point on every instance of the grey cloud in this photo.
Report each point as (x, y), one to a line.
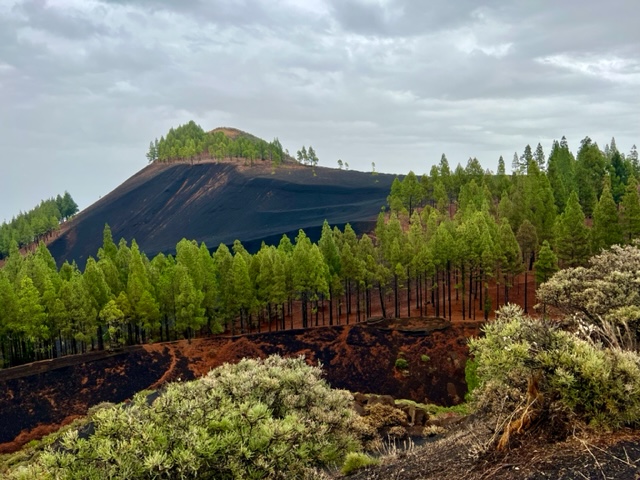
(45, 16)
(85, 87)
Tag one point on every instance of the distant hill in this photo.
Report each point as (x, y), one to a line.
(221, 202)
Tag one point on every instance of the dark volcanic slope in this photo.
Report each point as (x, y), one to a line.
(219, 203)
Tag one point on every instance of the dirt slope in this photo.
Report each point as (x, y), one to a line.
(221, 202)
(40, 397)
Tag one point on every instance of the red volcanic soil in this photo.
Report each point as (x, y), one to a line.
(40, 397)
(221, 202)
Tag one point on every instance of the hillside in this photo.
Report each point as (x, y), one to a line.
(221, 202)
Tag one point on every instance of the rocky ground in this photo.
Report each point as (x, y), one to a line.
(464, 453)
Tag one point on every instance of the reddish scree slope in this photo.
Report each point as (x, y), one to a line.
(219, 203)
(40, 397)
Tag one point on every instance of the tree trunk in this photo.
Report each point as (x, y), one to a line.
(396, 299)
(330, 305)
(358, 302)
(525, 292)
(384, 312)
(471, 294)
(449, 285)
(408, 293)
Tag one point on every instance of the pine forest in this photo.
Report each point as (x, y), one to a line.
(449, 240)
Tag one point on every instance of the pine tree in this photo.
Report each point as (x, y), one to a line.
(80, 324)
(99, 293)
(501, 167)
(152, 154)
(30, 318)
(113, 318)
(410, 192)
(68, 207)
(572, 242)
(633, 160)
(189, 314)
(331, 256)
(630, 215)
(526, 159)
(509, 256)
(242, 288)
(209, 288)
(619, 175)
(224, 264)
(606, 229)
(546, 266)
(395, 198)
(445, 175)
(144, 308)
(590, 171)
(560, 172)
(547, 263)
(540, 158)
(312, 157)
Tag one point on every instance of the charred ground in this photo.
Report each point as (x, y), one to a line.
(221, 202)
(42, 396)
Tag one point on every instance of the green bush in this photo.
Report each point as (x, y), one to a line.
(587, 381)
(425, 358)
(357, 461)
(271, 419)
(402, 364)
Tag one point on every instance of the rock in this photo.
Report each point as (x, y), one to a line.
(453, 393)
(361, 398)
(420, 417)
(383, 399)
(410, 412)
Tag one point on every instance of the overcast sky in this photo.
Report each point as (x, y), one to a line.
(86, 84)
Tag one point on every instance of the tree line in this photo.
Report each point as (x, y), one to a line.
(578, 204)
(37, 223)
(191, 142)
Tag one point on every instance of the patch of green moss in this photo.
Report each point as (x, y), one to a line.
(357, 461)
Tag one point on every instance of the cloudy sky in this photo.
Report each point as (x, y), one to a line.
(85, 84)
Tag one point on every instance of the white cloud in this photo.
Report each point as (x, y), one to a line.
(614, 69)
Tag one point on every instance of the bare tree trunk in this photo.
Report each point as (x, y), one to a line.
(384, 312)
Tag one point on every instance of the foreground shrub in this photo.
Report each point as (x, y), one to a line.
(257, 419)
(527, 368)
(604, 296)
(357, 461)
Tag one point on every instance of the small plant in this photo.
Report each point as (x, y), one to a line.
(425, 358)
(402, 364)
(433, 430)
(357, 461)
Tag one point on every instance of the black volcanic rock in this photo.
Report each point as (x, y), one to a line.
(219, 203)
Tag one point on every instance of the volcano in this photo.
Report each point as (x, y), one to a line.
(219, 202)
